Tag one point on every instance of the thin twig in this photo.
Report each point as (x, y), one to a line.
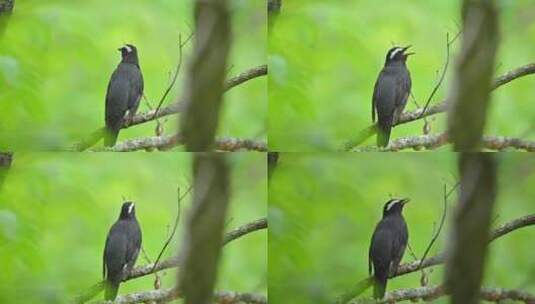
(441, 79)
(177, 220)
(177, 70)
(442, 220)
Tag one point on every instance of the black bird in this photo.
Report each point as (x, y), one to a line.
(124, 92)
(388, 244)
(122, 248)
(391, 92)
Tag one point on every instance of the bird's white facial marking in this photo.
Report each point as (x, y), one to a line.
(395, 51)
(391, 204)
(130, 208)
(128, 49)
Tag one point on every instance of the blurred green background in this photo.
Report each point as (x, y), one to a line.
(56, 210)
(56, 58)
(323, 209)
(325, 56)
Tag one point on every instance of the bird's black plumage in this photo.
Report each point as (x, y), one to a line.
(122, 248)
(388, 244)
(125, 89)
(391, 91)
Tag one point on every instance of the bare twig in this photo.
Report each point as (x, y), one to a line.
(177, 70)
(245, 229)
(444, 70)
(442, 220)
(177, 220)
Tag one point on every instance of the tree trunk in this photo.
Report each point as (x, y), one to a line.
(206, 75)
(467, 245)
(472, 81)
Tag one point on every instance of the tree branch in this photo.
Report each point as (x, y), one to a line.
(434, 141)
(440, 107)
(177, 220)
(174, 108)
(166, 142)
(164, 295)
(148, 269)
(433, 292)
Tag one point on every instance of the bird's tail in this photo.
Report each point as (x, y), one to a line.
(379, 286)
(110, 292)
(110, 137)
(383, 136)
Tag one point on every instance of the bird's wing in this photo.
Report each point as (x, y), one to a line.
(135, 88)
(104, 258)
(380, 248)
(399, 246)
(374, 97)
(370, 262)
(403, 89)
(385, 97)
(115, 252)
(117, 97)
(134, 244)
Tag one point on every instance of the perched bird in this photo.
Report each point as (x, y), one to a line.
(124, 92)
(122, 248)
(391, 92)
(388, 244)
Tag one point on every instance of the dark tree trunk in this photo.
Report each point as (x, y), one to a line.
(472, 80)
(201, 247)
(6, 6)
(206, 74)
(5, 163)
(469, 236)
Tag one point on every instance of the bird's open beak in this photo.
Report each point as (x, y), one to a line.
(405, 49)
(120, 49)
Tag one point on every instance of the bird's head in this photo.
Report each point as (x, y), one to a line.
(128, 211)
(128, 53)
(397, 54)
(394, 206)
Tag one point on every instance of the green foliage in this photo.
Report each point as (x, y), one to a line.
(56, 209)
(324, 207)
(56, 58)
(325, 56)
